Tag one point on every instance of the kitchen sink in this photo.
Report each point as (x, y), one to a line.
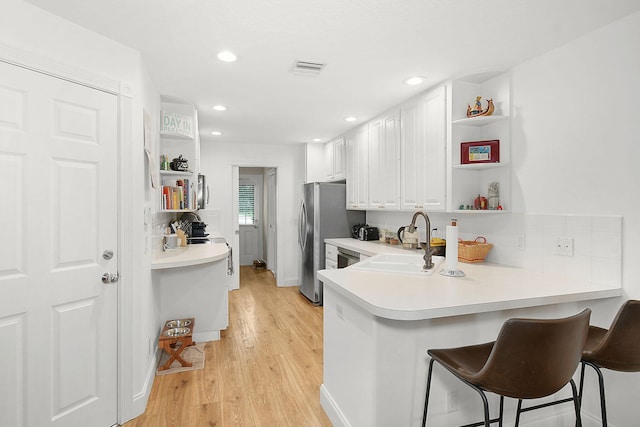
(398, 263)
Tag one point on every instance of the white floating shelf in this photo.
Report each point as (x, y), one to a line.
(478, 121)
(478, 166)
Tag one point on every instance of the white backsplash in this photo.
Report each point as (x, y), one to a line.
(528, 240)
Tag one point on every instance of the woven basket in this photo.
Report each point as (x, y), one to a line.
(472, 251)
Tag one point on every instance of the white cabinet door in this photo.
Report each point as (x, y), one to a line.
(330, 253)
(384, 162)
(423, 142)
(357, 144)
(335, 160)
(339, 159)
(328, 161)
(315, 168)
(434, 133)
(351, 171)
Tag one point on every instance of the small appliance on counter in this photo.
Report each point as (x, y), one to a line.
(365, 232)
(198, 233)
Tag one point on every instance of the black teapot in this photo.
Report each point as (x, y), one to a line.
(179, 164)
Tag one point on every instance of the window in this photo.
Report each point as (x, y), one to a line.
(246, 204)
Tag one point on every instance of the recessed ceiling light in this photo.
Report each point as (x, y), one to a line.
(220, 108)
(350, 119)
(227, 56)
(317, 140)
(412, 81)
(216, 133)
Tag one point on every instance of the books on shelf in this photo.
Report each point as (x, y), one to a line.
(179, 196)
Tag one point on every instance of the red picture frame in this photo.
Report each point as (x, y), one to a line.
(475, 152)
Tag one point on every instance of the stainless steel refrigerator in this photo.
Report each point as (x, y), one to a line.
(323, 215)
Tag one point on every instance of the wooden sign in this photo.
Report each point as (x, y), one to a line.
(176, 124)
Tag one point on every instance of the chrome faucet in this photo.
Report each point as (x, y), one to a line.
(428, 250)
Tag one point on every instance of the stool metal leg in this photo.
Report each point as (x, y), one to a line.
(426, 398)
(487, 421)
(603, 405)
(576, 403)
(518, 410)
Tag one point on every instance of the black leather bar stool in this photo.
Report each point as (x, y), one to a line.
(530, 359)
(617, 348)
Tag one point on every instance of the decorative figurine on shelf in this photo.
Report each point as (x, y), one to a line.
(179, 164)
(477, 110)
(494, 195)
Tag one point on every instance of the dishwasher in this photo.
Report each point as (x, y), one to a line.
(347, 257)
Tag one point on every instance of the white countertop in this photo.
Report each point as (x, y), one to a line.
(485, 288)
(189, 255)
(370, 248)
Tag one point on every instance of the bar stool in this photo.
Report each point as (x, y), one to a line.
(617, 348)
(531, 358)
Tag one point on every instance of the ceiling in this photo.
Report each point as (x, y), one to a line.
(369, 47)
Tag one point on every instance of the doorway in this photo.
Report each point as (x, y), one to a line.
(250, 204)
(255, 216)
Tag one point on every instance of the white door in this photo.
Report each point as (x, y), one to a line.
(249, 220)
(58, 145)
(271, 220)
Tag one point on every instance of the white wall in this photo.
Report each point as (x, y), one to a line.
(29, 29)
(217, 161)
(574, 150)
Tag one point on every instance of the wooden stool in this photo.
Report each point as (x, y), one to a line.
(176, 336)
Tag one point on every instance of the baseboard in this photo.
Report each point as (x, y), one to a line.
(141, 398)
(295, 281)
(206, 336)
(331, 409)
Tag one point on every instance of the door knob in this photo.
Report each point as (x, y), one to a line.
(110, 278)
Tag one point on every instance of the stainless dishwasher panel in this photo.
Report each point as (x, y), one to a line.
(347, 257)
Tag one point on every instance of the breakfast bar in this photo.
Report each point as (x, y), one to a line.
(378, 326)
(193, 283)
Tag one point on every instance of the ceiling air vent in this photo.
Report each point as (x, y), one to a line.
(306, 68)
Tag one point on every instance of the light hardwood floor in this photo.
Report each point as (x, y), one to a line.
(266, 370)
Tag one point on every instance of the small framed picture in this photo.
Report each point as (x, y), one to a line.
(480, 152)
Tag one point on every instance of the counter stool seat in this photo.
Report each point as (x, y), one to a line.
(531, 358)
(616, 348)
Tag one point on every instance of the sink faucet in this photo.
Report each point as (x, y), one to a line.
(428, 250)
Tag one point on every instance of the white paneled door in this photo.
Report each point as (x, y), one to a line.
(58, 322)
(250, 218)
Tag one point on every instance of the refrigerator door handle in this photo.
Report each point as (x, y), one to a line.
(302, 226)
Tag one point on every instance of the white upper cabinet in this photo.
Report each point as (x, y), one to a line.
(315, 170)
(423, 152)
(339, 159)
(384, 162)
(357, 168)
(335, 160)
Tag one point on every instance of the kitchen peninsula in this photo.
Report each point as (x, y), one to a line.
(378, 326)
(193, 283)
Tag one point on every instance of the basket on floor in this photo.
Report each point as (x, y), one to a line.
(473, 251)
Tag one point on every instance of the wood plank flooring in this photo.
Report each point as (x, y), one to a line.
(266, 370)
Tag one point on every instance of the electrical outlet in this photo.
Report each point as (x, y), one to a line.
(452, 401)
(564, 246)
(520, 243)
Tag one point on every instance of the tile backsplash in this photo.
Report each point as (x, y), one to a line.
(529, 240)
